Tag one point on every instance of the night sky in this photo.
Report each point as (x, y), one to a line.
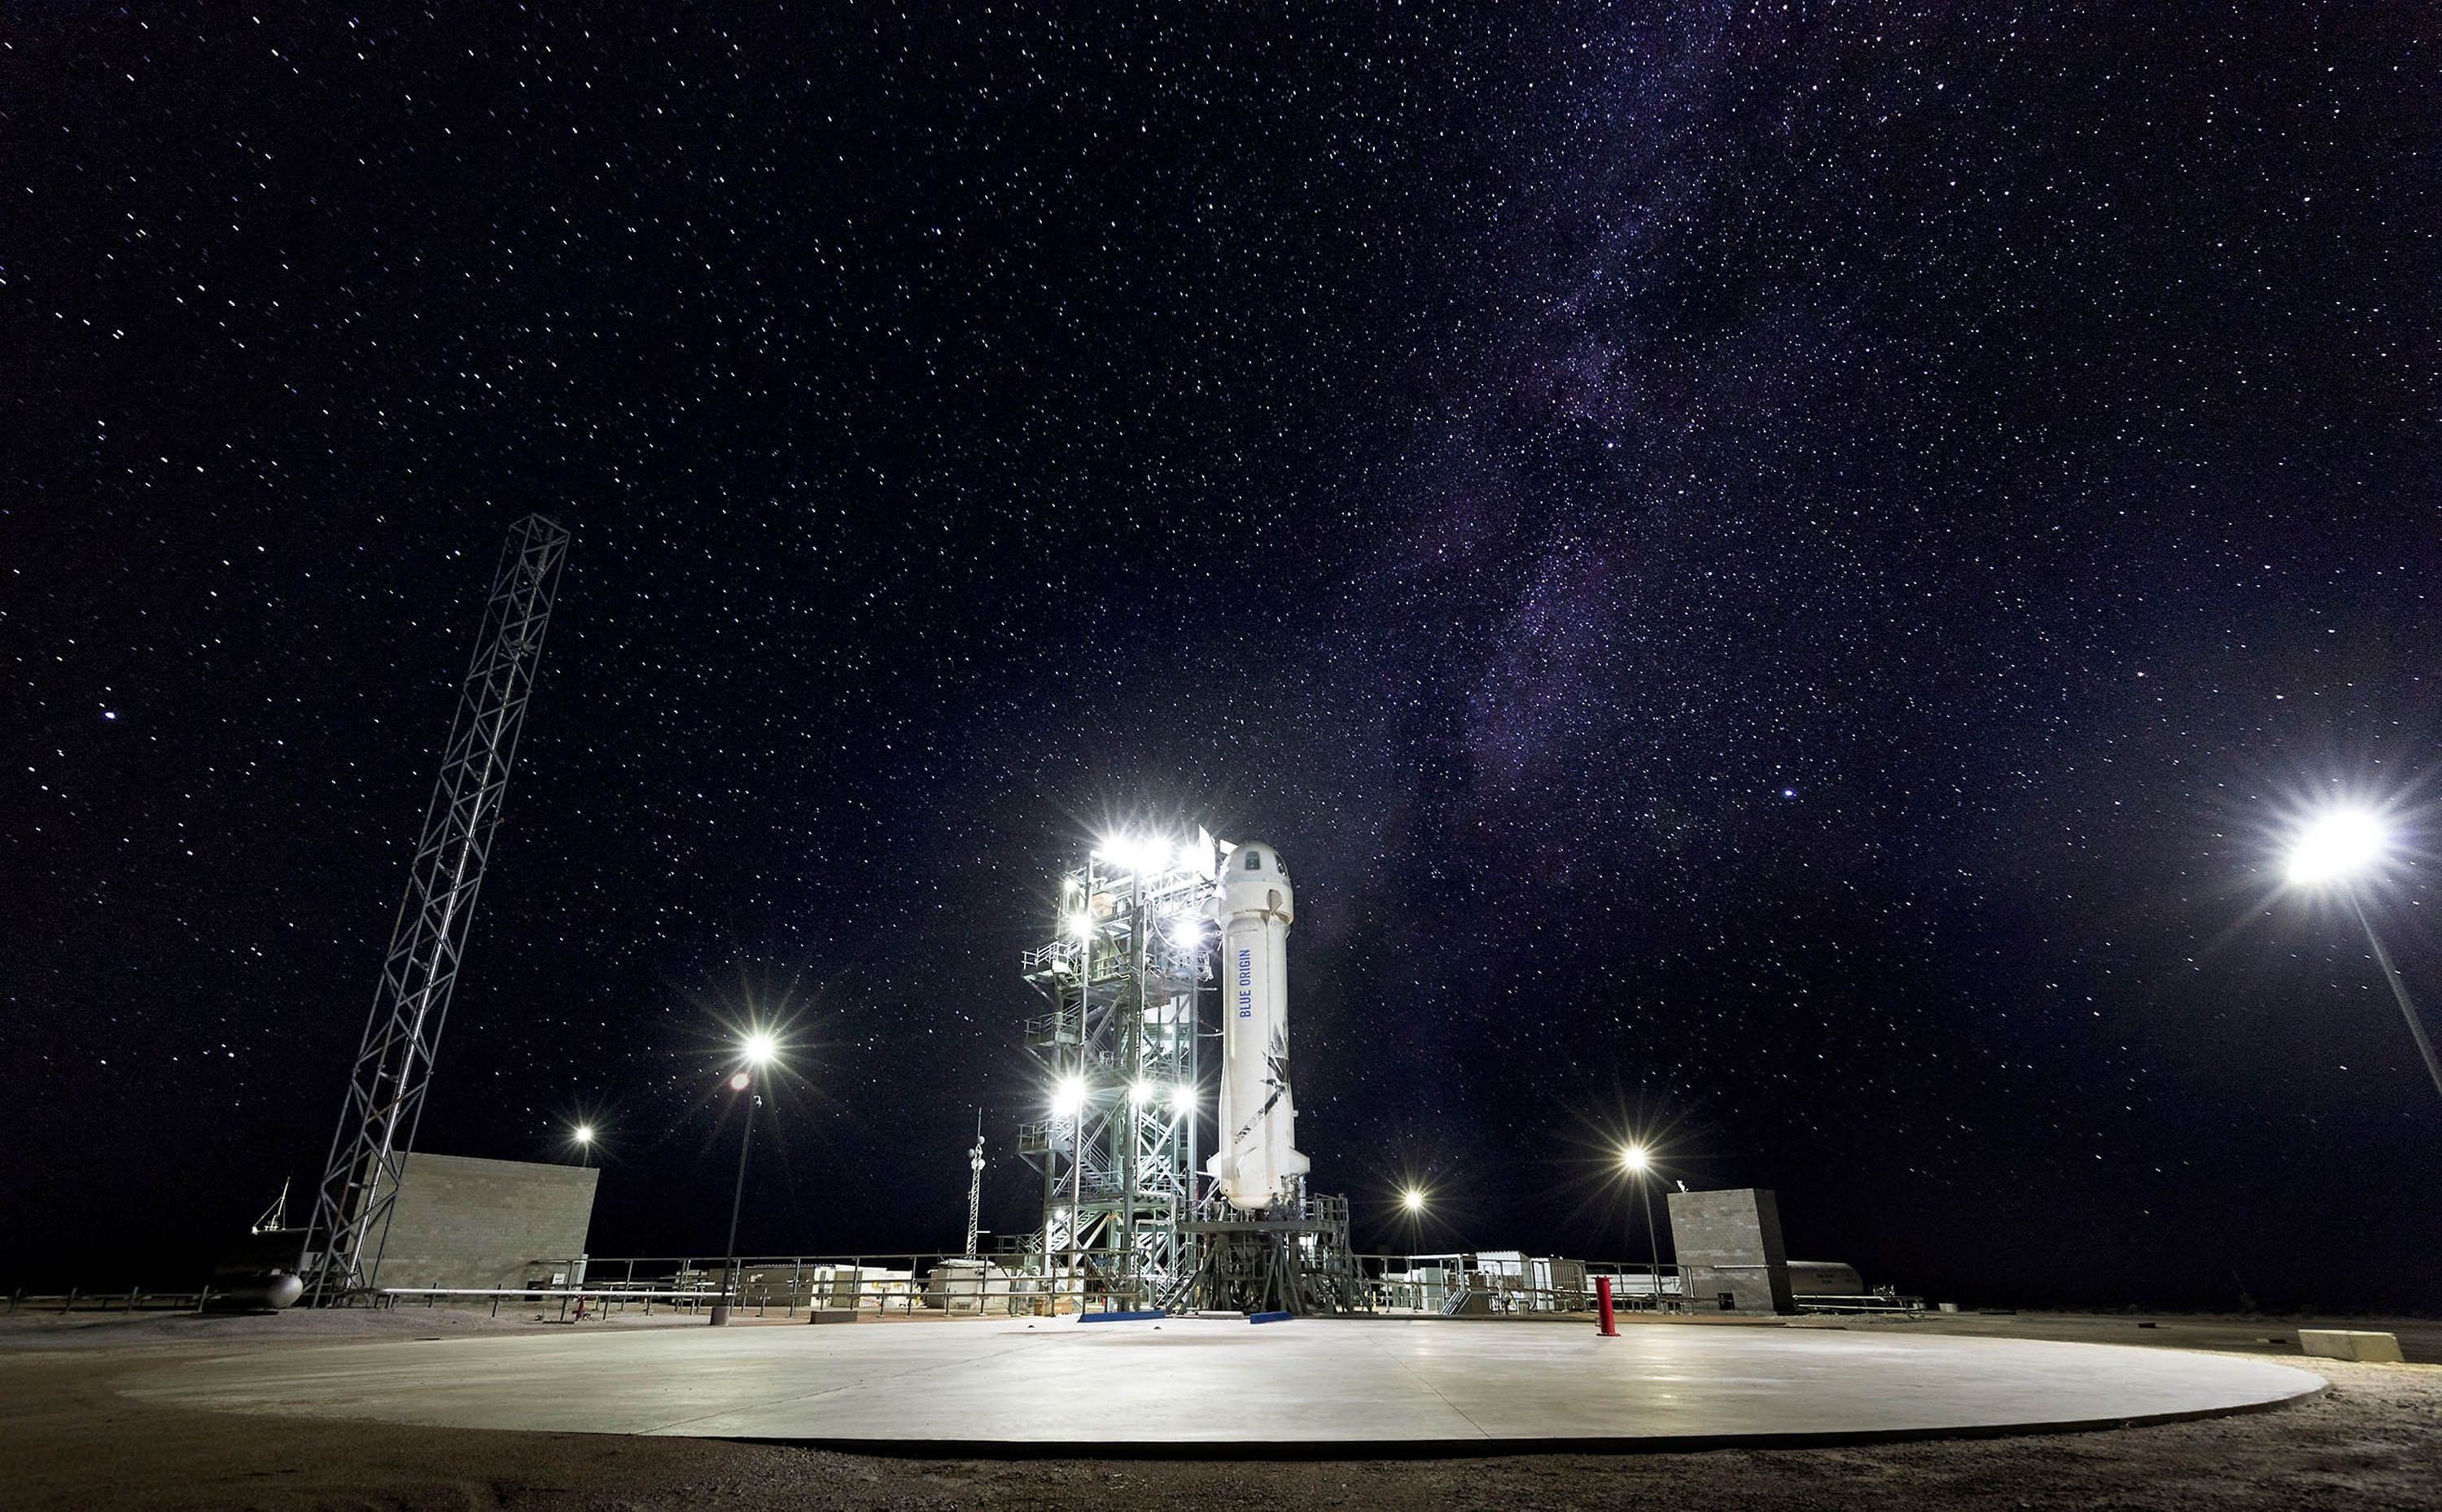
(1772, 571)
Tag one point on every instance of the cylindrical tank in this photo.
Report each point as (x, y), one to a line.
(265, 1291)
(1257, 1116)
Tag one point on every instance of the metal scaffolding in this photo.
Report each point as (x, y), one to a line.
(1293, 1257)
(975, 1187)
(393, 1065)
(1122, 1069)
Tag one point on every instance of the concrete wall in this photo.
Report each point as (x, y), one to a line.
(464, 1222)
(1730, 1244)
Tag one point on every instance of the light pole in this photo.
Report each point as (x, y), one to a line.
(1636, 1161)
(1412, 1209)
(759, 1050)
(2334, 851)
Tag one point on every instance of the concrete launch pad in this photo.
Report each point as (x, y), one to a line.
(1211, 1386)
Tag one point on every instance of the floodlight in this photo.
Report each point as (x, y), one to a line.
(2333, 850)
(760, 1047)
(1182, 1100)
(2337, 846)
(1193, 857)
(1068, 1097)
(1082, 926)
(1141, 1092)
(1413, 1200)
(1186, 929)
(1147, 854)
(584, 1134)
(1634, 1160)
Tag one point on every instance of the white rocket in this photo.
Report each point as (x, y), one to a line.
(1258, 1121)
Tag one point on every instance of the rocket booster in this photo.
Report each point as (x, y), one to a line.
(1258, 1120)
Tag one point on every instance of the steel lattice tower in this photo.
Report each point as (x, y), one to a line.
(394, 1066)
(1118, 1152)
(974, 1186)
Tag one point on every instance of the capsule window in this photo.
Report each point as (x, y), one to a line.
(1254, 861)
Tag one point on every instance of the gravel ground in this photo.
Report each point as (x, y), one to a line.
(67, 1439)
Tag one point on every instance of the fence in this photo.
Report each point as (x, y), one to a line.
(916, 1285)
(931, 1286)
(1507, 1284)
(585, 1301)
(134, 1299)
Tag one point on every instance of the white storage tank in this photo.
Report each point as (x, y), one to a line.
(967, 1288)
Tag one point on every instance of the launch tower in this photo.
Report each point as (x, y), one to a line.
(1131, 1216)
(1123, 975)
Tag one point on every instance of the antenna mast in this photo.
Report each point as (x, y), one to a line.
(394, 1066)
(974, 1183)
(275, 1216)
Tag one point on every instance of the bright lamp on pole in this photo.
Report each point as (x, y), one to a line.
(2332, 852)
(758, 1048)
(1635, 1161)
(2337, 848)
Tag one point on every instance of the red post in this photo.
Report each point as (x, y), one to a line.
(1602, 1306)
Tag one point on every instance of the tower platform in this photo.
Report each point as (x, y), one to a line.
(1292, 1257)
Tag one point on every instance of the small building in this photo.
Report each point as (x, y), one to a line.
(1730, 1250)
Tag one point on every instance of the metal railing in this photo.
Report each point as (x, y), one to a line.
(584, 1298)
(133, 1299)
(1061, 1028)
(940, 1286)
(898, 1286)
(1883, 1299)
(1010, 1284)
(1473, 1286)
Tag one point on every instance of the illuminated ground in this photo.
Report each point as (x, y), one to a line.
(73, 1438)
(1306, 1386)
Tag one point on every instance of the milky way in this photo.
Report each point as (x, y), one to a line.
(1769, 568)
